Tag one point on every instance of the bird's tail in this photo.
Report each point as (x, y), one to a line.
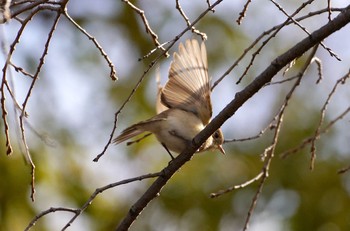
(143, 126)
(128, 133)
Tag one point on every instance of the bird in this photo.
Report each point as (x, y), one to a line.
(184, 104)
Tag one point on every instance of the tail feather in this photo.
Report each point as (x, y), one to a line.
(139, 128)
(128, 133)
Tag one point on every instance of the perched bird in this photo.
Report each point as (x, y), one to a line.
(184, 104)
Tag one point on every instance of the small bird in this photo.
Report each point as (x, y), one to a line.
(184, 104)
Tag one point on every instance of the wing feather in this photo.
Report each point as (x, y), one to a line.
(188, 87)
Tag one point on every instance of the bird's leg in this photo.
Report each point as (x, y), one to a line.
(166, 148)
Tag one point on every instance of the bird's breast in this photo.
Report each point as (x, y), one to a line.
(179, 128)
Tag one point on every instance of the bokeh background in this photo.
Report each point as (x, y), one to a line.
(73, 104)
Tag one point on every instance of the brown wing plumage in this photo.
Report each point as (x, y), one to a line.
(160, 107)
(188, 87)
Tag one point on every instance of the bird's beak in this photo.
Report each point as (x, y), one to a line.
(221, 149)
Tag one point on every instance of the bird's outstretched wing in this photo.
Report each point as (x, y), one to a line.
(188, 87)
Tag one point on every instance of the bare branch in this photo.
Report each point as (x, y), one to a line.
(319, 69)
(267, 157)
(4, 79)
(36, 77)
(305, 30)
(104, 188)
(21, 70)
(194, 30)
(243, 12)
(329, 7)
(319, 131)
(308, 140)
(46, 212)
(270, 126)
(235, 187)
(113, 73)
(323, 113)
(255, 54)
(344, 170)
(77, 212)
(270, 150)
(23, 6)
(251, 46)
(209, 6)
(147, 26)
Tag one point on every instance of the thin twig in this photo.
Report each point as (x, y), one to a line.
(329, 7)
(319, 69)
(10, 86)
(270, 150)
(194, 30)
(122, 107)
(21, 70)
(161, 46)
(24, 105)
(46, 212)
(235, 187)
(209, 6)
(266, 41)
(283, 81)
(323, 113)
(113, 73)
(4, 79)
(305, 30)
(20, 7)
(270, 126)
(177, 37)
(319, 73)
(269, 154)
(243, 12)
(344, 170)
(13, 97)
(104, 188)
(30, 6)
(77, 212)
(251, 46)
(147, 26)
(308, 140)
(272, 123)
